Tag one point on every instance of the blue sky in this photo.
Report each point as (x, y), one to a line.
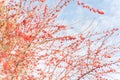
(73, 13)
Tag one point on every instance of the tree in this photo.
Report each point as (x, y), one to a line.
(32, 49)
